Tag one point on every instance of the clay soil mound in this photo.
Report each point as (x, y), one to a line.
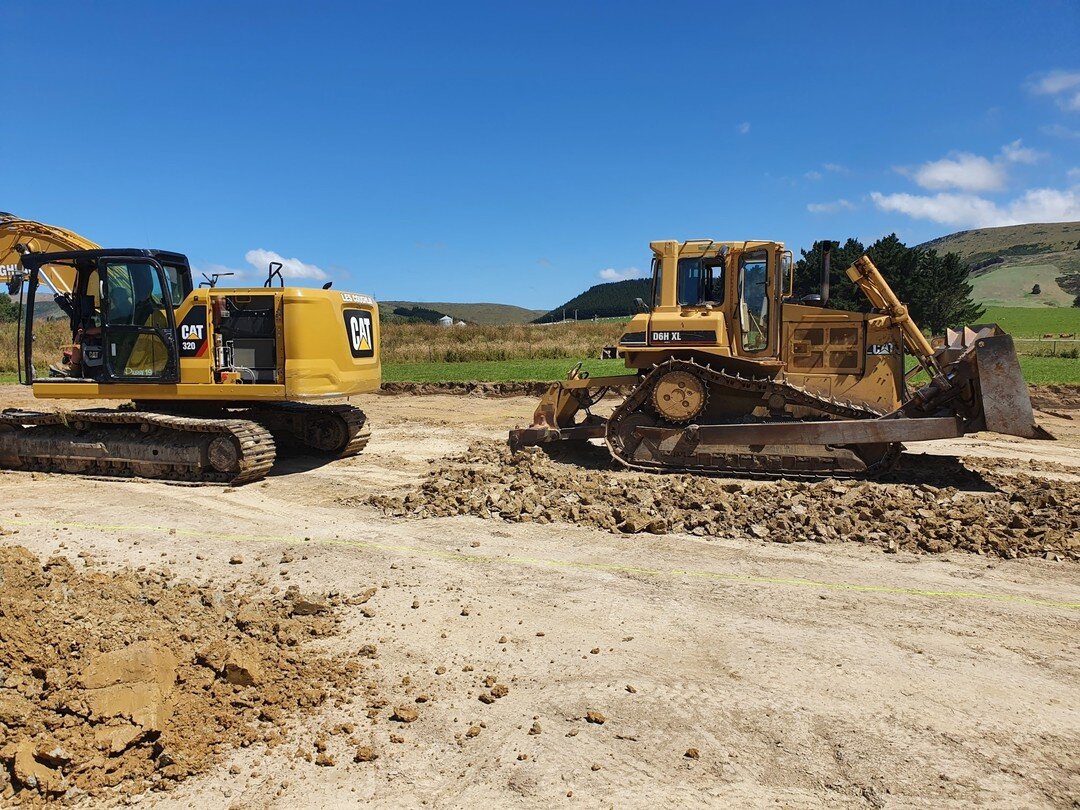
(1001, 516)
(114, 682)
(1056, 397)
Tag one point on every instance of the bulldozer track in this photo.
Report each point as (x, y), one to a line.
(743, 464)
(129, 429)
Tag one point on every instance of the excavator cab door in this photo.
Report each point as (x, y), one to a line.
(139, 329)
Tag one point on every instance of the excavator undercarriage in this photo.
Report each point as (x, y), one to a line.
(151, 440)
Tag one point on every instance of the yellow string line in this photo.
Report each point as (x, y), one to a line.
(541, 562)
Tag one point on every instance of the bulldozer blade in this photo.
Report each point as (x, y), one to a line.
(1006, 404)
(533, 436)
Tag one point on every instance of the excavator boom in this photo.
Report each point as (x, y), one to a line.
(19, 236)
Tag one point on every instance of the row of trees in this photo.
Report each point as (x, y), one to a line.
(933, 286)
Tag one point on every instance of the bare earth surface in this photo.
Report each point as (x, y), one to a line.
(551, 664)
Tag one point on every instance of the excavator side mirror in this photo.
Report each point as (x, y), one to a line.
(639, 305)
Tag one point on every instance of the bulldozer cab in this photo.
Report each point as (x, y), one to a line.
(723, 297)
(120, 308)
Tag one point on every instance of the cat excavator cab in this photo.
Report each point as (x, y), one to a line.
(733, 375)
(220, 381)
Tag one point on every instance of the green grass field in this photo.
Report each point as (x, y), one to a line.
(496, 370)
(1010, 285)
(1031, 322)
(1037, 370)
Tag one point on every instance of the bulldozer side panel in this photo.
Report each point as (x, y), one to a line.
(847, 355)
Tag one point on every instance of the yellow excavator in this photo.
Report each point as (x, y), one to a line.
(734, 375)
(219, 380)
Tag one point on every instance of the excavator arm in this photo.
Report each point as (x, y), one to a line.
(19, 236)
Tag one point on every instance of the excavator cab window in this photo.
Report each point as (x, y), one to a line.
(139, 327)
(754, 300)
(701, 281)
(179, 282)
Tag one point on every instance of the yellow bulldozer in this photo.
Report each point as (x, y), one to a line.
(219, 380)
(735, 375)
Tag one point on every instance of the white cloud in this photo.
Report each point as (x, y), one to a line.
(743, 128)
(260, 258)
(611, 274)
(1059, 131)
(1016, 152)
(1073, 173)
(812, 175)
(972, 211)
(964, 171)
(1063, 85)
(968, 172)
(830, 207)
(835, 168)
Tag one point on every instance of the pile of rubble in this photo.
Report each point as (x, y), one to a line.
(1006, 517)
(123, 681)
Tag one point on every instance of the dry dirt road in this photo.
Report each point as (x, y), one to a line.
(801, 675)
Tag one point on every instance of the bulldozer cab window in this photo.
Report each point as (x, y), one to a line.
(701, 281)
(754, 300)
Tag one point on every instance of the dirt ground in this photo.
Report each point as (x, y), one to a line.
(576, 664)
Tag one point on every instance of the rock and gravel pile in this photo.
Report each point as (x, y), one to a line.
(1006, 517)
(478, 389)
(494, 390)
(114, 682)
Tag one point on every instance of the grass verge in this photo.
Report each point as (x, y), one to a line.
(496, 370)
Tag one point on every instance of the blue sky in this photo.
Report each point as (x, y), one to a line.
(520, 152)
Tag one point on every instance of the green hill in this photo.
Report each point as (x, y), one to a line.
(1007, 262)
(484, 314)
(614, 299)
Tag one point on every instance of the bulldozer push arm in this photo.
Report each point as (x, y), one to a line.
(873, 285)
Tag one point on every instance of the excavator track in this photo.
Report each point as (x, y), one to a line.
(137, 443)
(773, 393)
(336, 431)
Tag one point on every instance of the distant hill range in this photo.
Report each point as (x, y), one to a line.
(615, 299)
(1007, 263)
(484, 314)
